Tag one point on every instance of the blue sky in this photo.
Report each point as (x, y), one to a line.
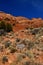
(26, 8)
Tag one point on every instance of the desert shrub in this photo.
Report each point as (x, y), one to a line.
(4, 59)
(12, 49)
(2, 32)
(7, 44)
(8, 27)
(25, 41)
(30, 45)
(35, 31)
(2, 25)
(29, 54)
(17, 40)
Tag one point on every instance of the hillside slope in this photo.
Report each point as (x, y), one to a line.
(23, 45)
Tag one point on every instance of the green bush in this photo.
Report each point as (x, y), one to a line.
(8, 27)
(2, 25)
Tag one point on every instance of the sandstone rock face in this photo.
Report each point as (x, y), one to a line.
(24, 44)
